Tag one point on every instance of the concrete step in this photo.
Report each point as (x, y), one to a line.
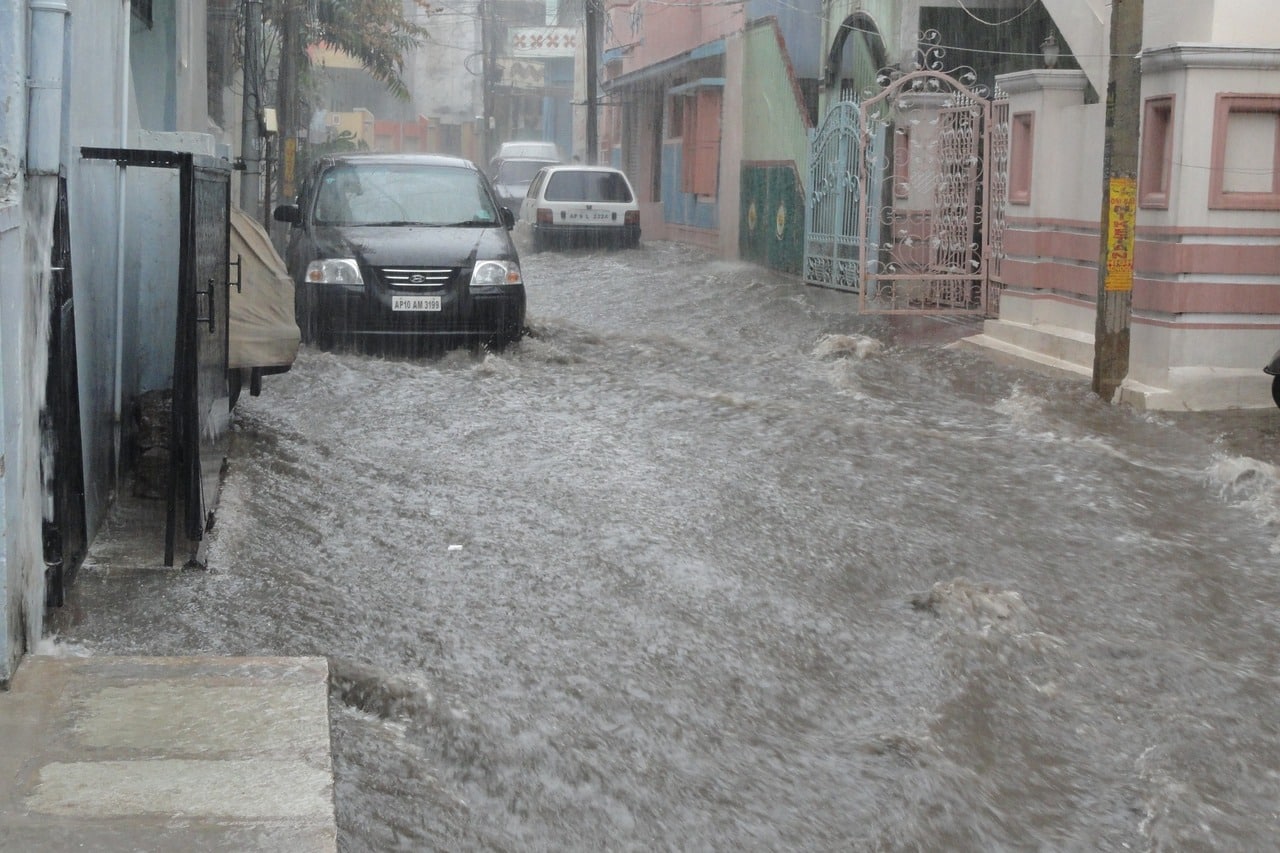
(182, 753)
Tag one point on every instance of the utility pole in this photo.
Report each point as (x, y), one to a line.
(292, 43)
(592, 22)
(487, 81)
(1119, 200)
(251, 109)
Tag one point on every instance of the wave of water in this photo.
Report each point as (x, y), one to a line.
(709, 561)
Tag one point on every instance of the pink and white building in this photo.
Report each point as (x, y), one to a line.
(1206, 290)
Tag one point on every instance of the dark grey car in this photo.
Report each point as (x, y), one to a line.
(511, 179)
(404, 247)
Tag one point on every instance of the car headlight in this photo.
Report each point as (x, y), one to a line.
(496, 273)
(334, 271)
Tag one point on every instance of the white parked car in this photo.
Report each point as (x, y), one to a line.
(571, 205)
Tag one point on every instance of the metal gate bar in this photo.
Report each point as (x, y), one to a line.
(65, 532)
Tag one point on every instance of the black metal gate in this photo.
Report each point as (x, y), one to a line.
(200, 414)
(65, 536)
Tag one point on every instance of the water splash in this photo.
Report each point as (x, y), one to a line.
(846, 346)
(1251, 484)
(51, 646)
(1022, 408)
(977, 605)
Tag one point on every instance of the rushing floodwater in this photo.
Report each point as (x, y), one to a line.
(710, 562)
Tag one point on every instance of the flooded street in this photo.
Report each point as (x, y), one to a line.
(711, 562)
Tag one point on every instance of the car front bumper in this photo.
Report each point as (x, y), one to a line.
(483, 312)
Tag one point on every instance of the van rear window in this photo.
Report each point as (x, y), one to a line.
(588, 186)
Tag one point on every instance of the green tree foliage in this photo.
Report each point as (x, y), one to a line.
(343, 142)
(375, 32)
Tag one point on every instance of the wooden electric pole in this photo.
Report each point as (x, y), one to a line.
(292, 45)
(592, 21)
(1119, 200)
(488, 78)
(251, 111)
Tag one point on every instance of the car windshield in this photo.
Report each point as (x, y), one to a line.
(402, 194)
(519, 171)
(585, 185)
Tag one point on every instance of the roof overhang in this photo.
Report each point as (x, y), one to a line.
(667, 66)
(694, 85)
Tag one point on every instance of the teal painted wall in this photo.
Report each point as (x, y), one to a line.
(772, 216)
(775, 154)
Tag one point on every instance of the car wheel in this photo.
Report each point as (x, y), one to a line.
(539, 242)
(1275, 389)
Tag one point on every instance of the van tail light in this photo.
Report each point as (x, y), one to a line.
(633, 217)
(544, 216)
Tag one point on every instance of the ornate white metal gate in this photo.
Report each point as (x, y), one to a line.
(907, 192)
(832, 247)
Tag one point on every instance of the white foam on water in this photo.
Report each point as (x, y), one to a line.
(51, 646)
(846, 346)
(1250, 484)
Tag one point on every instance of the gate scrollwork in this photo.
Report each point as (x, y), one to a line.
(903, 218)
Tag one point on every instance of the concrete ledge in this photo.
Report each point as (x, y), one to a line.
(1200, 389)
(1056, 343)
(136, 753)
(1010, 354)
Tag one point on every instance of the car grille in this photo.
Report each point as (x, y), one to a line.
(416, 276)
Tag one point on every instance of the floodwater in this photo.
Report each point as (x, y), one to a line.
(711, 562)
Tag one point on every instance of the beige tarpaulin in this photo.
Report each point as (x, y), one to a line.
(263, 331)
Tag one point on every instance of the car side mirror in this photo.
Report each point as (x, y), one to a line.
(287, 213)
(508, 218)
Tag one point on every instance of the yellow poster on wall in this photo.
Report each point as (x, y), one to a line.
(1122, 218)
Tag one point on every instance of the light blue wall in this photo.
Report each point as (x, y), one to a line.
(10, 459)
(801, 31)
(153, 58)
(98, 36)
(15, 551)
(119, 76)
(124, 222)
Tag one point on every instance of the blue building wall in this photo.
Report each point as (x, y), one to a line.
(94, 189)
(683, 208)
(557, 109)
(801, 31)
